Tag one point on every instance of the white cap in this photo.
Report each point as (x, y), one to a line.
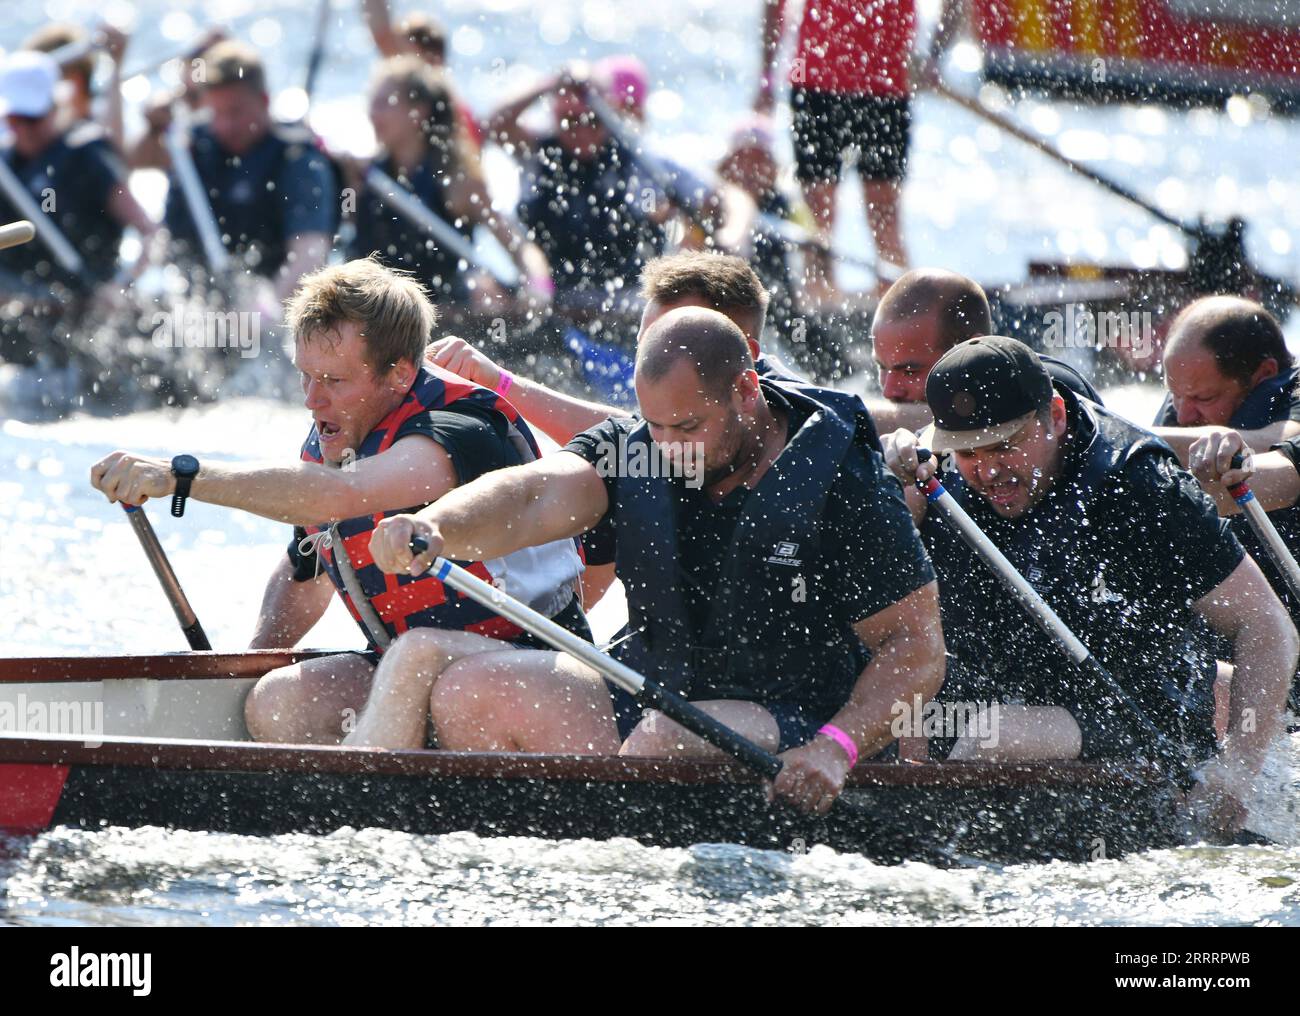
(27, 83)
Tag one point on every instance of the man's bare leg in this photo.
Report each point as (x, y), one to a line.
(1024, 734)
(884, 199)
(819, 269)
(656, 736)
(312, 702)
(524, 700)
(397, 710)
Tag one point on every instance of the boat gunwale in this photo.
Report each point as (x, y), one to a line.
(247, 756)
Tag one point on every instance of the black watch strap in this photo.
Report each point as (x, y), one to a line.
(181, 495)
(184, 468)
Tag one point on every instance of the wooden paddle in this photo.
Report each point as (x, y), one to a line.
(171, 586)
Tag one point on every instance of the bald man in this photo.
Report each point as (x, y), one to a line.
(922, 316)
(1226, 365)
(772, 571)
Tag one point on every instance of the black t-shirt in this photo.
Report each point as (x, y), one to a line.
(1122, 565)
(879, 558)
(475, 438)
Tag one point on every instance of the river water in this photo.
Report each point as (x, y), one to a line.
(72, 578)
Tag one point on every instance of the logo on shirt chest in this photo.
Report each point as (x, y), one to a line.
(784, 553)
(1099, 593)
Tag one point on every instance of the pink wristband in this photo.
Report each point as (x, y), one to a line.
(844, 741)
(504, 381)
(543, 284)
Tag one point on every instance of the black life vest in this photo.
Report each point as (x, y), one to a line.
(541, 577)
(247, 194)
(80, 213)
(1074, 548)
(402, 244)
(762, 643)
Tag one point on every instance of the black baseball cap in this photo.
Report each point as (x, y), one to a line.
(982, 391)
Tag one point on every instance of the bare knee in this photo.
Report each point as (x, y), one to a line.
(307, 702)
(270, 703)
(656, 736)
(462, 706)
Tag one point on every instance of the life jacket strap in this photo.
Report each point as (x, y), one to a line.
(366, 613)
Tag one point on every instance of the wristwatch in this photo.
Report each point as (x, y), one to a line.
(184, 468)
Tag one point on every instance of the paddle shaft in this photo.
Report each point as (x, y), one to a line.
(192, 189)
(15, 233)
(171, 586)
(406, 204)
(1053, 153)
(318, 48)
(1037, 608)
(50, 234)
(1266, 532)
(647, 692)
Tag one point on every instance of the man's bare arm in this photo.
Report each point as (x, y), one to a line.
(907, 659)
(414, 471)
(380, 23)
(503, 511)
(289, 609)
(503, 125)
(891, 416)
(557, 415)
(773, 31)
(1181, 439)
(1244, 609)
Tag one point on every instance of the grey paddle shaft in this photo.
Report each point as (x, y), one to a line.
(1266, 531)
(1272, 539)
(50, 234)
(646, 692)
(1046, 617)
(406, 204)
(196, 198)
(530, 620)
(171, 585)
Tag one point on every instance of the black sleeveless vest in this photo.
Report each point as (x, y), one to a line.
(761, 642)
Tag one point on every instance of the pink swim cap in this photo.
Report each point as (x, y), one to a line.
(624, 80)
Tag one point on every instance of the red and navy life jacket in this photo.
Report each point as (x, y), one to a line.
(541, 577)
